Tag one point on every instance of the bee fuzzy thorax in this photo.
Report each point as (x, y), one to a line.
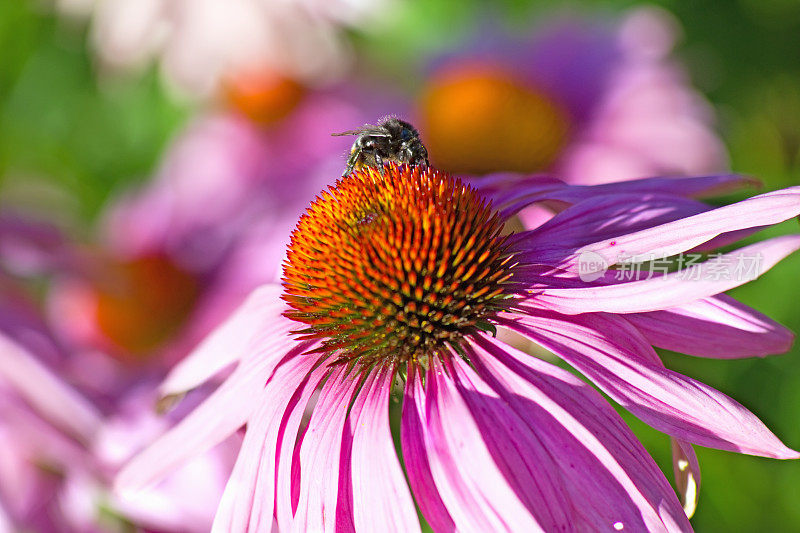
(391, 140)
(396, 265)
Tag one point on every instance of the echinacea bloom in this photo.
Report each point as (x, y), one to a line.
(61, 448)
(395, 283)
(589, 101)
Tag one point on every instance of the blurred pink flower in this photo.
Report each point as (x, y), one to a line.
(42, 425)
(649, 120)
(184, 501)
(590, 102)
(45, 425)
(543, 449)
(59, 450)
(180, 254)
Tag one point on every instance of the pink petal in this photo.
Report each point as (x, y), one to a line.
(717, 326)
(511, 194)
(687, 474)
(526, 464)
(615, 356)
(601, 218)
(675, 289)
(222, 413)
(610, 476)
(287, 474)
(32, 247)
(248, 501)
(693, 187)
(320, 456)
(34, 438)
(257, 322)
(681, 235)
(480, 497)
(381, 498)
(5, 520)
(415, 456)
(46, 392)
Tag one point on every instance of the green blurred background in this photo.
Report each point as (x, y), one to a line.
(69, 140)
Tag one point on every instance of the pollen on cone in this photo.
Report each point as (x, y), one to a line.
(393, 264)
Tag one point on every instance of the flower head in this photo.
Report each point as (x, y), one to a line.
(398, 279)
(396, 265)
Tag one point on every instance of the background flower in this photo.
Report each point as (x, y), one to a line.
(589, 100)
(58, 456)
(201, 44)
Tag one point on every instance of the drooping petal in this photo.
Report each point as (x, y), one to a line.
(601, 218)
(46, 392)
(557, 241)
(320, 457)
(615, 356)
(256, 323)
(29, 435)
(686, 469)
(686, 233)
(709, 278)
(287, 473)
(249, 497)
(609, 475)
(520, 455)
(223, 412)
(381, 499)
(480, 497)
(718, 326)
(415, 456)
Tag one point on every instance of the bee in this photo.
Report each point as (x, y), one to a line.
(391, 139)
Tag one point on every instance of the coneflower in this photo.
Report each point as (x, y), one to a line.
(397, 281)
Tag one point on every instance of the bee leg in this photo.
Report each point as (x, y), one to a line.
(351, 164)
(410, 159)
(379, 163)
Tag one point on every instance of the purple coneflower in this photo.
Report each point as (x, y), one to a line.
(395, 285)
(591, 100)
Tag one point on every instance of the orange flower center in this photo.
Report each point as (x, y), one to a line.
(393, 265)
(143, 302)
(479, 119)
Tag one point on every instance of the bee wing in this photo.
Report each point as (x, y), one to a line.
(351, 132)
(372, 130)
